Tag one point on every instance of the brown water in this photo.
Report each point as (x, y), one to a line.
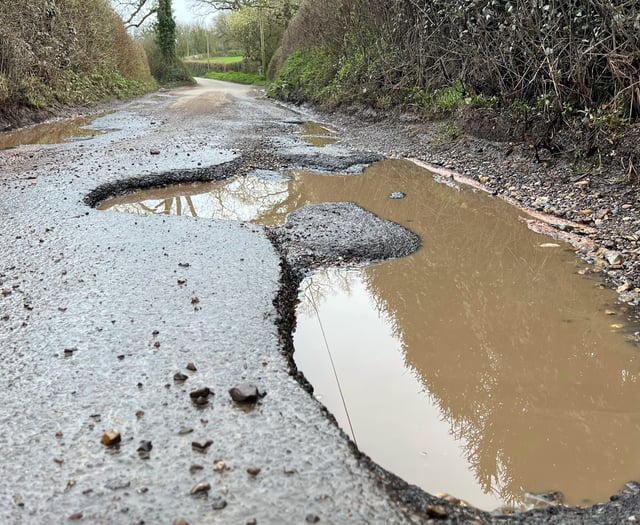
(318, 134)
(49, 133)
(485, 365)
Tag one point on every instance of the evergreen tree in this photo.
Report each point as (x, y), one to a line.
(165, 29)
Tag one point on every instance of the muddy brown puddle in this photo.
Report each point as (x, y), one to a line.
(50, 133)
(318, 134)
(486, 365)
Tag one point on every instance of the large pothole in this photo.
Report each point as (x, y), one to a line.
(489, 364)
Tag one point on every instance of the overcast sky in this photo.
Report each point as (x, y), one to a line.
(185, 12)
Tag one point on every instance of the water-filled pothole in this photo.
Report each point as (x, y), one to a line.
(50, 133)
(318, 134)
(485, 365)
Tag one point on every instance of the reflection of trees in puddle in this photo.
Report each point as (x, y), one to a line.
(505, 339)
(244, 198)
(320, 286)
(511, 349)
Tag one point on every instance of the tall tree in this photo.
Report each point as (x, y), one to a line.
(165, 29)
(134, 13)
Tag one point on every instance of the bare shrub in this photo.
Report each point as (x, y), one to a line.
(562, 55)
(45, 45)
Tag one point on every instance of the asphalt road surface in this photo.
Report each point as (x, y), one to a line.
(100, 310)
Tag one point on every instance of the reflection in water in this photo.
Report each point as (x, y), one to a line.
(482, 365)
(263, 199)
(49, 133)
(318, 134)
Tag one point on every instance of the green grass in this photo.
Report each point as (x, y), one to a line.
(217, 60)
(238, 78)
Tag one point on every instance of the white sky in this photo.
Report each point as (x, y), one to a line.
(186, 12)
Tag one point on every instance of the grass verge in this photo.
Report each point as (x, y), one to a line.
(238, 77)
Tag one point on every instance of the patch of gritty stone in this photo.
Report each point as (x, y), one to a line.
(340, 233)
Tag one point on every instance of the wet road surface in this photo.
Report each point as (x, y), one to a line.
(101, 312)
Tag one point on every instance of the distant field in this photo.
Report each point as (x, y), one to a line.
(216, 60)
(238, 78)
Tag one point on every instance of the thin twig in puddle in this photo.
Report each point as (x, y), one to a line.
(335, 373)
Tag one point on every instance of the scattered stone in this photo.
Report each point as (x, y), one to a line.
(139, 413)
(156, 344)
(614, 258)
(185, 430)
(550, 245)
(195, 299)
(111, 438)
(253, 471)
(397, 195)
(200, 396)
(192, 367)
(180, 521)
(59, 434)
(70, 351)
(76, 516)
(312, 518)
(623, 288)
(200, 392)
(182, 282)
(118, 484)
(59, 461)
(195, 468)
(201, 447)
(200, 489)
(252, 522)
(154, 152)
(219, 465)
(437, 512)
(184, 265)
(144, 449)
(219, 503)
(245, 393)
(179, 377)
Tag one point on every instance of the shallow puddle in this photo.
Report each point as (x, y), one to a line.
(318, 134)
(49, 133)
(483, 366)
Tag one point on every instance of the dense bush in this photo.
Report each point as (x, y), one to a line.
(566, 58)
(199, 68)
(71, 52)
